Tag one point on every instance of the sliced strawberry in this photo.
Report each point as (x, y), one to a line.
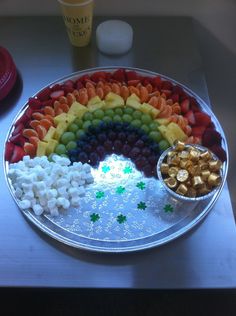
(166, 85)
(119, 75)
(132, 75)
(79, 85)
(34, 103)
(44, 94)
(22, 120)
(133, 82)
(146, 81)
(178, 90)
(98, 75)
(219, 152)
(185, 104)
(190, 117)
(198, 131)
(202, 119)
(194, 104)
(68, 83)
(48, 103)
(17, 139)
(211, 137)
(166, 92)
(156, 82)
(56, 87)
(83, 79)
(175, 97)
(57, 94)
(18, 154)
(9, 150)
(18, 129)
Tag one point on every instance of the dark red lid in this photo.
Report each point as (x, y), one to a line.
(8, 73)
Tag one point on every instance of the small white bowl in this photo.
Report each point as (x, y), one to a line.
(173, 193)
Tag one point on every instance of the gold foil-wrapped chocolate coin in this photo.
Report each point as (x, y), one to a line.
(164, 168)
(171, 182)
(206, 155)
(173, 171)
(179, 146)
(182, 189)
(214, 179)
(197, 182)
(215, 165)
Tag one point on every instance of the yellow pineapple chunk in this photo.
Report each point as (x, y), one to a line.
(149, 109)
(113, 100)
(64, 117)
(50, 134)
(133, 101)
(162, 121)
(172, 132)
(41, 149)
(51, 146)
(77, 109)
(95, 103)
(60, 129)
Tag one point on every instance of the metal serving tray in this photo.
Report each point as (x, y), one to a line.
(122, 210)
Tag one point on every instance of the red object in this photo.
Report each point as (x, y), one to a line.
(8, 73)
(198, 131)
(190, 117)
(202, 119)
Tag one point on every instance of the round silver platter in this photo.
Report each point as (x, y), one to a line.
(123, 210)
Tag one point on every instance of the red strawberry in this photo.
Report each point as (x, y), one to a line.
(157, 82)
(166, 85)
(119, 75)
(132, 75)
(56, 87)
(47, 103)
(18, 129)
(99, 75)
(166, 92)
(9, 150)
(198, 131)
(17, 139)
(185, 104)
(69, 84)
(83, 79)
(34, 103)
(18, 154)
(44, 94)
(194, 105)
(219, 152)
(175, 97)
(190, 117)
(178, 90)
(202, 119)
(146, 81)
(79, 85)
(211, 137)
(57, 94)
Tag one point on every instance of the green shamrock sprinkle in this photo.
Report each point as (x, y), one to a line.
(105, 168)
(100, 194)
(94, 217)
(168, 208)
(127, 170)
(141, 185)
(142, 206)
(120, 190)
(121, 219)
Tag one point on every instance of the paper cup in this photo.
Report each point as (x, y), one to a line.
(78, 18)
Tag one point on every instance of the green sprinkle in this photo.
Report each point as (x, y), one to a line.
(127, 170)
(105, 169)
(168, 208)
(141, 185)
(94, 217)
(120, 190)
(100, 194)
(142, 206)
(121, 219)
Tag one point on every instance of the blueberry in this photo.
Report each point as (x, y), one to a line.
(102, 137)
(125, 150)
(83, 157)
(94, 159)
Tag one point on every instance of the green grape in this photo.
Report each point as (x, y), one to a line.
(78, 122)
(71, 145)
(109, 112)
(127, 118)
(146, 118)
(96, 122)
(145, 128)
(136, 123)
(163, 145)
(119, 111)
(60, 149)
(153, 126)
(137, 114)
(117, 118)
(80, 133)
(66, 137)
(73, 128)
(107, 119)
(98, 114)
(86, 125)
(156, 136)
(128, 110)
(88, 116)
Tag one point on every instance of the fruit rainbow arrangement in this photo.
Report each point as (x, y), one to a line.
(111, 112)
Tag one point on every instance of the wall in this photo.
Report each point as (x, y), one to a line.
(217, 16)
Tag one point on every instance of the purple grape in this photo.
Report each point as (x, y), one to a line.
(121, 136)
(108, 144)
(101, 152)
(112, 135)
(117, 146)
(125, 150)
(140, 162)
(148, 170)
(153, 160)
(102, 137)
(134, 152)
(94, 159)
(139, 143)
(132, 138)
(88, 148)
(146, 152)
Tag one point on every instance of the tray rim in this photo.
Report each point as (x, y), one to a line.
(78, 245)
